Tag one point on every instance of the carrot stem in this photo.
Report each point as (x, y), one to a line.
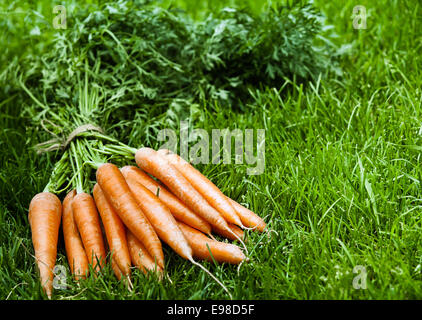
(59, 175)
(119, 149)
(78, 175)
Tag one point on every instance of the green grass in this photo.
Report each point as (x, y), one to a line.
(341, 186)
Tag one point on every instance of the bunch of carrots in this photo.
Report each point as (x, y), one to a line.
(164, 199)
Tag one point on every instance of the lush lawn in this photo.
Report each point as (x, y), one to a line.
(341, 186)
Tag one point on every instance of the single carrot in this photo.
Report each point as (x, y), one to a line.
(86, 218)
(159, 215)
(204, 186)
(249, 218)
(114, 266)
(116, 270)
(118, 193)
(180, 211)
(114, 230)
(75, 252)
(239, 232)
(202, 245)
(140, 256)
(45, 211)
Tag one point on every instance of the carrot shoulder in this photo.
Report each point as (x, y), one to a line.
(119, 195)
(75, 252)
(180, 211)
(114, 230)
(88, 222)
(45, 211)
(221, 251)
(204, 186)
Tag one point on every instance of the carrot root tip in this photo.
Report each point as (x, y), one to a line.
(168, 278)
(212, 276)
(240, 240)
(246, 228)
(129, 283)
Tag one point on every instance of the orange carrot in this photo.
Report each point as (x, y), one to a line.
(236, 230)
(75, 252)
(176, 207)
(204, 186)
(117, 272)
(249, 218)
(158, 166)
(86, 218)
(177, 239)
(150, 161)
(115, 267)
(118, 193)
(140, 256)
(45, 211)
(221, 251)
(159, 215)
(114, 230)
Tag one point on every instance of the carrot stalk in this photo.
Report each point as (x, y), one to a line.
(75, 252)
(44, 217)
(86, 218)
(119, 195)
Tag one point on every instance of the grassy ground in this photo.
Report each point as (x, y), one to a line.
(341, 186)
